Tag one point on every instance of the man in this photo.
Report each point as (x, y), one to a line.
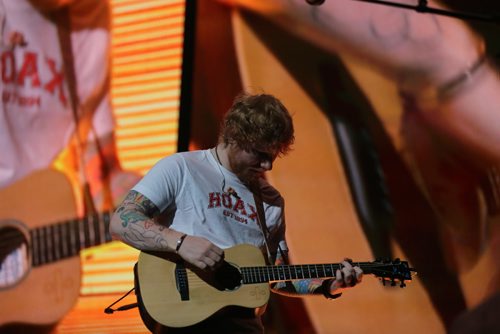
(450, 125)
(208, 203)
(49, 117)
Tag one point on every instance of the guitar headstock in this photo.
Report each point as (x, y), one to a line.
(393, 271)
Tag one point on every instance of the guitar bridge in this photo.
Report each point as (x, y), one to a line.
(181, 281)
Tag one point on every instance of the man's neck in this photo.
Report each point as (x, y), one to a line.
(221, 155)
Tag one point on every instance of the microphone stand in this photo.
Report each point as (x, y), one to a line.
(423, 8)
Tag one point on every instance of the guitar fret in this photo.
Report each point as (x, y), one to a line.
(289, 272)
(327, 270)
(312, 271)
(34, 248)
(82, 234)
(41, 242)
(44, 245)
(96, 237)
(246, 277)
(64, 235)
(56, 238)
(72, 238)
(88, 232)
(41, 249)
(281, 273)
(315, 271)
(102, 228)
(48, 244)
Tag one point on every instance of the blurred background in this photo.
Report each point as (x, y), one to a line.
(142, 79)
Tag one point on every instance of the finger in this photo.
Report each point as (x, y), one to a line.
(349, 274)
(347, 265)
(359, 273)
(353, 281)
(200, 264)
(339, 279)
(216, 256)
(209, 262)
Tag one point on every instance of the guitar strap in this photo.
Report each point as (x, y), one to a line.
(83, 122)
(261, 221)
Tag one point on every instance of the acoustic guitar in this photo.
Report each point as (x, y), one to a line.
(176, 295)
(40, 242)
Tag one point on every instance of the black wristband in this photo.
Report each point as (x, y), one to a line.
(325, 288)
(179, 242)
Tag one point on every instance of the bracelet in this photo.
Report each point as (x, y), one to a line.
(452, 86)
(431, 95)
(179, 243)
(325, 288)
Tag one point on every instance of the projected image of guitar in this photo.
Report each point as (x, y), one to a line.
(176, 296)
(40, 242)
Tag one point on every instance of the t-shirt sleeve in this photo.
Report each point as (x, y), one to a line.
(163, 182)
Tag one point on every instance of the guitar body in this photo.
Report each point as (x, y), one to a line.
(44, 294)
(162, 301)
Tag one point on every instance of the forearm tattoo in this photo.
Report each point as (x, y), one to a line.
(297, 287)
(139, 221)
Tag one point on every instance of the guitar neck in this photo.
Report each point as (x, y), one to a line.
(66, 239)
(261, 274)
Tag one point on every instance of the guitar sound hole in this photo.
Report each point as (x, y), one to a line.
(14, 259)
(228, 276)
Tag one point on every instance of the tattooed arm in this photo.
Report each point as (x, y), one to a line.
(349, 276)
(135, 222)
(435, 60)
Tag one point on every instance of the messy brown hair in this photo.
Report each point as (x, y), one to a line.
(259, 122)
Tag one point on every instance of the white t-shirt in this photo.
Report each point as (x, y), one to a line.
(188, 188)
(36, 119)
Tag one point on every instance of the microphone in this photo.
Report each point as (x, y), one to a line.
(315, 2)
(233, 192)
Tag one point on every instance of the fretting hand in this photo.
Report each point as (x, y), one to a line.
(347, 276)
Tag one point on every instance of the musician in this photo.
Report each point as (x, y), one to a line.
(450, 129)
(198, 203)
(41, 43)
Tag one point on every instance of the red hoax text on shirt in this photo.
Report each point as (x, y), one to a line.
(28, 76)
(235, 208)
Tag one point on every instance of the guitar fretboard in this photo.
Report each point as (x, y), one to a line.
(252, 275)
(66, 239)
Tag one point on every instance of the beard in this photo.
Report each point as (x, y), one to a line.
(247, 174)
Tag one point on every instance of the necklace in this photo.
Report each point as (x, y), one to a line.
(217, 156)
(220, 170)
(230, 190)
